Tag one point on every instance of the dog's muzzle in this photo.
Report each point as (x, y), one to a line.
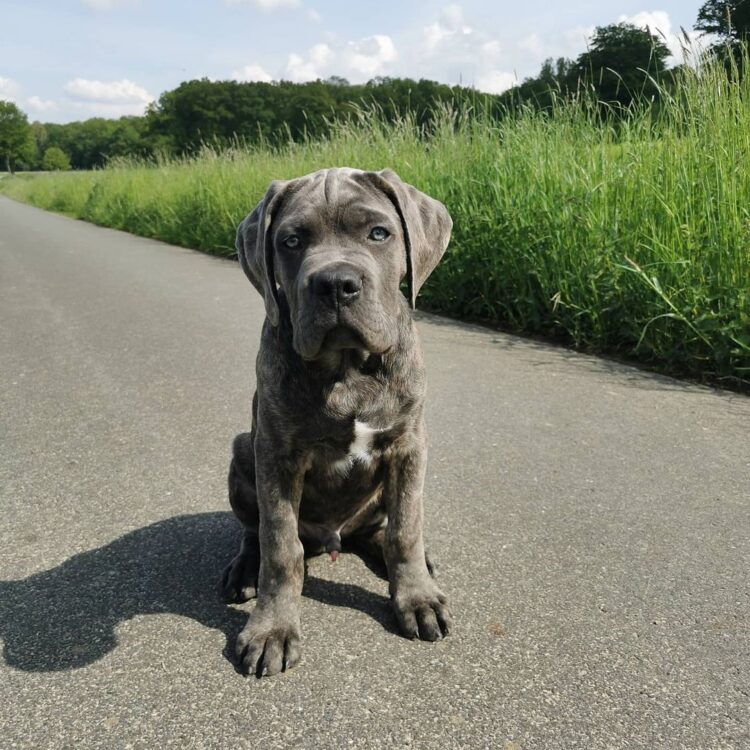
(337, 286)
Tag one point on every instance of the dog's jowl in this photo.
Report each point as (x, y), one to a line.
(337, 448)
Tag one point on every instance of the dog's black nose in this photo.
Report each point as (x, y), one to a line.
(340, 285)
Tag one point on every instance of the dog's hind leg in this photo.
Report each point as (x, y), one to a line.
(240, 579)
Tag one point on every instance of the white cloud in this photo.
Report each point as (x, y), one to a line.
(266, 5)
(252, 73)
(535, 48)
(660, 25)
(37, 104)
(108, 98)
(448, 30)
(490, 51)
(495, 81)
(313, 15)
(370, 56)
(299, 70)
(359, 60)
(321, 55)
(108, 4)
(8, 89)
(319, 59)
(574, 42)
(113, 92)
(452, 50)
(533, 44)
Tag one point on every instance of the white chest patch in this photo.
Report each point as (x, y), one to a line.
(359, 449)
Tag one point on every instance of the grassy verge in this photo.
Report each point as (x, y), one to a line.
(629, 237)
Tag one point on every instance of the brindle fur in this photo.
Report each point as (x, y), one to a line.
(322, 365)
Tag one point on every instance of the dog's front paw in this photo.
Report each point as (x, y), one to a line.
(422, 611)
(269, 643)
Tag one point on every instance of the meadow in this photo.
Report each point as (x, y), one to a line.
(625, 235)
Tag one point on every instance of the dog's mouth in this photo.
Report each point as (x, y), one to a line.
(329, 333)
(342, 337)
(337, 340)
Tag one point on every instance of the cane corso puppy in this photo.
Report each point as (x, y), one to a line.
(337, 448)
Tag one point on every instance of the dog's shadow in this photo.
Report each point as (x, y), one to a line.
(65, 618)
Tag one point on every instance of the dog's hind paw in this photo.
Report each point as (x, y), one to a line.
(239, 581)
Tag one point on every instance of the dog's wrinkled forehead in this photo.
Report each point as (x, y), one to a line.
(330, 197)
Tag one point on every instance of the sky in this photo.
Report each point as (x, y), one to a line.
(69, 60)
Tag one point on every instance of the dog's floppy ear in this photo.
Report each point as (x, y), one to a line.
(255, 248)
(426, 225)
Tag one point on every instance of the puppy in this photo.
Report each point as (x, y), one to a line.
(337, 448)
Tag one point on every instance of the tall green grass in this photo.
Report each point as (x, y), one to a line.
(628, 235)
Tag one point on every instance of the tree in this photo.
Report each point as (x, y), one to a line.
(729, 19)
(55, 160)
(621, 62)
(217, 112)
(89, 144)
(27, 156)
(39, 133)
(15, 134)
(554, 79)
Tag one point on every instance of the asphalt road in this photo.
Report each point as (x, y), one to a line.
(592, 523)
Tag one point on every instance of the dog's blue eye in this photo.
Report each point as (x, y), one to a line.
(292, 241)
(379, 234)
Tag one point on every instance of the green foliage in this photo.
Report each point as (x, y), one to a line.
(92, 142)
(545, 89)
(55, 160)
(224, 112)
(623, 63)
(15, 135)
(729, 19)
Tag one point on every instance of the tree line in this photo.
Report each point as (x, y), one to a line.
(622, 63)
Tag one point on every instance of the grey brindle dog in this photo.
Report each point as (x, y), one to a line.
(337, 448)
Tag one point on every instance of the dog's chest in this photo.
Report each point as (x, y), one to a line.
(343, 480)
(360, 449)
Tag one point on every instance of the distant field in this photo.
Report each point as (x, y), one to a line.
(629, 238)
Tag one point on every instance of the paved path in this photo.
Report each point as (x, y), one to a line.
(592, 523)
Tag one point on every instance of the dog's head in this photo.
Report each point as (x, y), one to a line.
(338, 243)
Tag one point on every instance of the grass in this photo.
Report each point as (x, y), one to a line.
(627, 236)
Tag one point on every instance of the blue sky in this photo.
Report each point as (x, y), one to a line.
(73, 59)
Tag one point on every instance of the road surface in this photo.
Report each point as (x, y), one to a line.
(591, 521)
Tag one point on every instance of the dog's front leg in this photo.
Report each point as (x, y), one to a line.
(270, 642)
(421, 608)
